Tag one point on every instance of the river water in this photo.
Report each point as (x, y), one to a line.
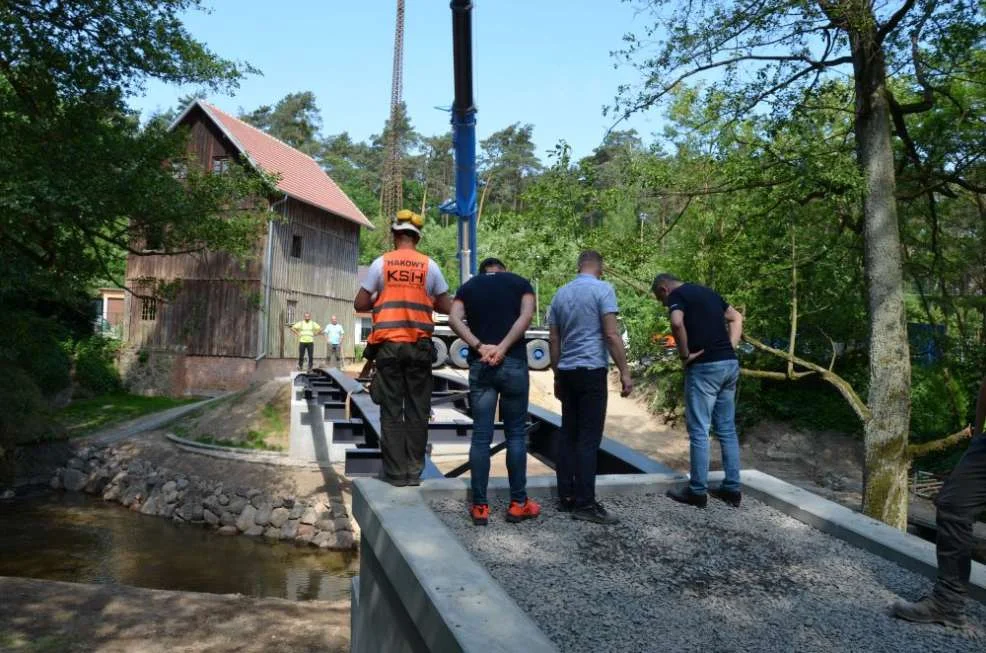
(74, 537)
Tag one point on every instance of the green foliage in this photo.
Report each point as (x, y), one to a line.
(32, 343)
(664, 386)
(95, 369)
(85, 416)
(82, 182)
(295, 119)
(254, 440)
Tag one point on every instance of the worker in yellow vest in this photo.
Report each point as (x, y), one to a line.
(409, 286)
(306, 330)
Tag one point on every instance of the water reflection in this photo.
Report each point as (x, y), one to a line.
(74, 537)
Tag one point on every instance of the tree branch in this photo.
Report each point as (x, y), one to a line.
(894, 20)
(845, 389)
(918, 450)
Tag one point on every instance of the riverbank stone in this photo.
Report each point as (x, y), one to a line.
(237, 504)
(73, 479)
(279, 516)
(309, 517)
(191, 511)
(262, 518)
(345, 540)
(305, 533)
(210, 517)
(228, 530)
(290, 529)
(246, 519)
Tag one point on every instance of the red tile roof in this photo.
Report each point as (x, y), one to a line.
(300, 176)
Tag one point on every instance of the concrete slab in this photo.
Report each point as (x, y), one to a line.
(416, 578)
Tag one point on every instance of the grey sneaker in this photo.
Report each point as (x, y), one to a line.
(595, 513)
(928, 611)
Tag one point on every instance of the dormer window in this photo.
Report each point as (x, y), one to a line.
(220, 164)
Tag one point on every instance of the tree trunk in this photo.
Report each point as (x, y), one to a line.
(885, 476)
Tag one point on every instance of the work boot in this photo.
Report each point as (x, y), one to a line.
(686, 496)
(595, 513)
(929, 611)
(518, 512)
(566, 504)
(480, 513)
(730, 497)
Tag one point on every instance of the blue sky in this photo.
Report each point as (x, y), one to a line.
(544, 62)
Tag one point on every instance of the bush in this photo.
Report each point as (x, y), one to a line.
(32, 343)
(95, 369)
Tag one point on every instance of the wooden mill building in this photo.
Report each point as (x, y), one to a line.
(227, 323)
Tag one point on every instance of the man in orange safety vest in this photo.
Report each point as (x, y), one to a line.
(408, 286)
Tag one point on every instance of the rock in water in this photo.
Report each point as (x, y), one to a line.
(245, 522)
(279, 516)
(73, 479)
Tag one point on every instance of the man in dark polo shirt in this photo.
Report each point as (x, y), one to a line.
(707, 331)
(490, 313)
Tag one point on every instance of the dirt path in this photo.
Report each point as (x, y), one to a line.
(48, 616)
(828, 464)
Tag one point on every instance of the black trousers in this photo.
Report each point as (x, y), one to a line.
(402, 388)
(583, 415)
(961, 500)
(302, 348)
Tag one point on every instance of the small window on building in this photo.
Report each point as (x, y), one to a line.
(295, 246)
(179, 169)
(365, 327)
(220, 164)
(148, 308)
(292, 311)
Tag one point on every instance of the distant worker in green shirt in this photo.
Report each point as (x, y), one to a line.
(306, 330)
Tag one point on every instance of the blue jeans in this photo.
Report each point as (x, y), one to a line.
(508, 382)
(710, 399)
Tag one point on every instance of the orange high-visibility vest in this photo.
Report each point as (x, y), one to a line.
(402, 312)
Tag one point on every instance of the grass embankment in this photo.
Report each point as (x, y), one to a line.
(256, 419)
(86, 416)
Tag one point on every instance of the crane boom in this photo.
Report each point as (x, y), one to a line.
(392, 187)
(464, 138)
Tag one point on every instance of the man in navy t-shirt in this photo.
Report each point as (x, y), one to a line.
(707, 331)
(490, 313)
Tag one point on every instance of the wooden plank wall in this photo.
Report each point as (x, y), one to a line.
(322, 281)
(205, 139)
(207, 317)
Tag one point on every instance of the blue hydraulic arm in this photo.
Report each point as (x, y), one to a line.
(464, 138)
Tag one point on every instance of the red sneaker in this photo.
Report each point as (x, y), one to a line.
(480, 514)
(518, 512)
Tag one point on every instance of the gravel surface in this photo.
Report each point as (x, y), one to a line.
(676, 578)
